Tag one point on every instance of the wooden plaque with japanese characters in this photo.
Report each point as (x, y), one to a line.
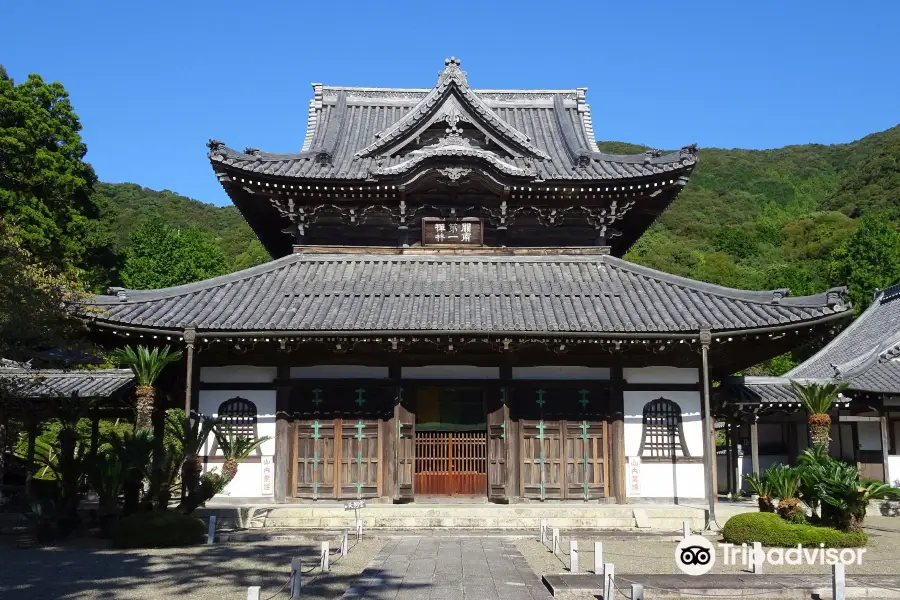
(452, 232)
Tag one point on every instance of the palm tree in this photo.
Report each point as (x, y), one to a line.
(192, 435)
(817, 399)
(236, 448)
(146, 364)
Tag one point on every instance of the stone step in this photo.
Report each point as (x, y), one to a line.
(450, 516)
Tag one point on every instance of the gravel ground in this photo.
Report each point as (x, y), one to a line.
(219, 572)
(653, 556)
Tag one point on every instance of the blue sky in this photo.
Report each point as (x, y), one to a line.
(153, 81)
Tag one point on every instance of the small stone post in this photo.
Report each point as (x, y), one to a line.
(686, 528)
(358, 530)
(253, 592)
(211, 534)
(345, 547)
(598, 558)
(838, 582)
(555, 541)
(543, 535)
(325, 553)
(637, 591)
(609, 581)
(296, 581)
(573, 556)
(757, 558)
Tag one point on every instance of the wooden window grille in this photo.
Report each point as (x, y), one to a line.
(239, 418)
(663, 432)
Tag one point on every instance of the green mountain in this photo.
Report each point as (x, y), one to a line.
(748, 218)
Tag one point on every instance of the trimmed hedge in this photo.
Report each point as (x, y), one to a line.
(158, 530)
(771, 530)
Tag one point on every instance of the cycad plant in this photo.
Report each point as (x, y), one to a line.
(845, 497)
(132, 450)
(192, 435)
(146, 364)
(235, 448)
(817, 399)
(785, 483)
(759, 485)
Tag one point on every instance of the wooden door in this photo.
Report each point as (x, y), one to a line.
(543, 474)
(406, 452)
(315, 452)
(586, 467)
(360, 451)
(450, 463)
(498, 453)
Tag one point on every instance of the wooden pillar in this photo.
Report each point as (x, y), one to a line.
(617, 438)
(709, 431)
(390, 484)
(513, 450)
(754, 443)
(284, 442)
(190, 336)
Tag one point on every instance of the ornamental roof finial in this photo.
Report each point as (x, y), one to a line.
(452, 69)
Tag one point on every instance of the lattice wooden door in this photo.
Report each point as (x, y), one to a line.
(451, 462)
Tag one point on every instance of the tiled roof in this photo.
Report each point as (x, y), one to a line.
(876, 326)
(24, 382)
(471, 293)
(866, 355)
(548, 135)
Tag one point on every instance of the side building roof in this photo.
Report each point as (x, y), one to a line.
(355, 293)
(866, 355)
(24, 382)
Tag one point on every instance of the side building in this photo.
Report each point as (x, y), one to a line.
(448, 312)
(768, 423)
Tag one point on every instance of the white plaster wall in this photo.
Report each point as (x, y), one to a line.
(238, 374)
(248, 482)
(894, 470)
(665, 480)
(661, 375)
(450, 372)
(339, 372)
(561, 372)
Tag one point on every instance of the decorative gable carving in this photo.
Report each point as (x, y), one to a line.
(467, 120)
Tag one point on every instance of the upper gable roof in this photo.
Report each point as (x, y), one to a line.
(351, 132)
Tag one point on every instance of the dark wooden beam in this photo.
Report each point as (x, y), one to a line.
(284, 444)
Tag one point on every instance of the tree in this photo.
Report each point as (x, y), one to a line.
(868, 260)
(43, 292)
(45, 184)
(235, 448)
(147, 365)
(817, 399)
(161, 256)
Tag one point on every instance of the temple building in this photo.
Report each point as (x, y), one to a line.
(764, 417)
(448, 312)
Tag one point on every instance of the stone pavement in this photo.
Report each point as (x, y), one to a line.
(435, 568)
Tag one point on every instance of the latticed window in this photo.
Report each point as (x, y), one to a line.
(663, 435)
(239, 418)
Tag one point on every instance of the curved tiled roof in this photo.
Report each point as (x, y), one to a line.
(25, 382)
(473, 293)
(351, 130)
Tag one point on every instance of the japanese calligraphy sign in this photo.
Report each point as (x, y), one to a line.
(437, 232)
(268, 475)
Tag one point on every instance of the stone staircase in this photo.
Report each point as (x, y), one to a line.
(465, 516)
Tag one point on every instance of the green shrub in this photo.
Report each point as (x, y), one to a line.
(158, 530)
(771, 530)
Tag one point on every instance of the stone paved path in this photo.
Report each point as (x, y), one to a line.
(428, 568)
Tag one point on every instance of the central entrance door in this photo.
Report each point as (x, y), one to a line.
(451, 442)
